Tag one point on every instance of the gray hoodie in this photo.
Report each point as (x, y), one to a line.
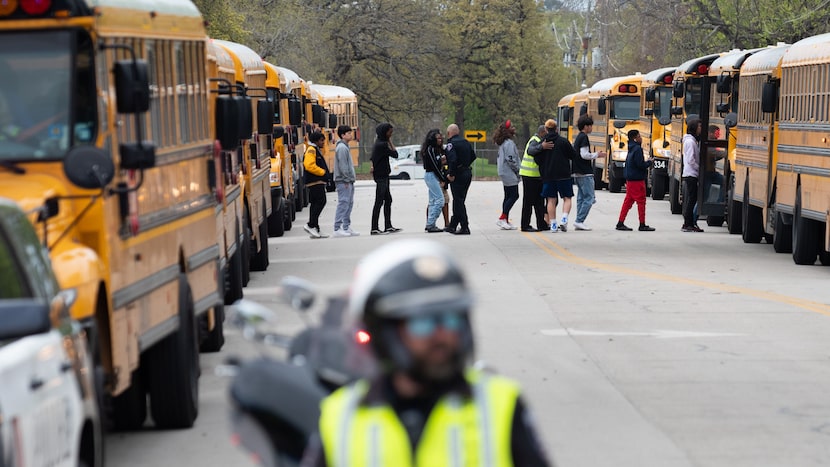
(508, 163)
(343, 168)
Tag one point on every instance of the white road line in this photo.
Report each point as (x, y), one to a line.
(659, 333)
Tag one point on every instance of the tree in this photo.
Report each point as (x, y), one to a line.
(223, 21)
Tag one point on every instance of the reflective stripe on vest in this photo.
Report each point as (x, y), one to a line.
(529, 167)
(458, 432)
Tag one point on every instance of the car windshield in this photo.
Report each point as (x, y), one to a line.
(626, 108)
(36, 95)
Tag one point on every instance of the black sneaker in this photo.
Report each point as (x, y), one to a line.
(529, 229)
(449, 229)
(621, 226)
(433, 229)
(646, 228)
(392, 229)
(378, 232)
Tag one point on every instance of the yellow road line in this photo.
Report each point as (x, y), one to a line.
(556, 251)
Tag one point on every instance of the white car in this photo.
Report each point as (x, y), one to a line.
(408, 165)
(48, 404)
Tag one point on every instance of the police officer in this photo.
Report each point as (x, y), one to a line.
(460, 157)
(427, 407)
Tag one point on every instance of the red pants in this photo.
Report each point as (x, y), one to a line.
(635, 191)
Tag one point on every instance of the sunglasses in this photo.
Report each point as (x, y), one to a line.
(424, 326)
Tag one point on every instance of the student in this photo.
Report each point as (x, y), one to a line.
(636, 171)
(344, 178)
(583, 171)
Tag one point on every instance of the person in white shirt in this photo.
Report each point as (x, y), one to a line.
(691, 173)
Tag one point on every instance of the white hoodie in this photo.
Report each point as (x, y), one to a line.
(691, 156)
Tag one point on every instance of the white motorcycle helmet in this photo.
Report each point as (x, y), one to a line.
(402, 280)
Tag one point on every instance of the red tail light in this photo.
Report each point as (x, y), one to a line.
(362, 337)
(627, 88)
(667, 79)
(35, 7)
(702, 69)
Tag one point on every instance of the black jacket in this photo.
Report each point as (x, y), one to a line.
(554, 164)
(636, 167)
(580, 165)
(432, 162)
(381, 152)
(460, 155)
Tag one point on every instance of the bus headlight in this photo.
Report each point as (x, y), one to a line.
(666, 153)
(619, 156)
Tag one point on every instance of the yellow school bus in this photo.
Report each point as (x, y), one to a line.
(691, 94)
(340, 106)
(565, 117)
(281, 177)
(229, 173)
(614, 104)
(654, 122)
(751, 205)
(803, 178)
(105, 143)
(255, 151)
(292, 119)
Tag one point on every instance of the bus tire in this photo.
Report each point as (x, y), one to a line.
(234, 290)
(259, 259)
(293, 206)
(277, 218)
(174, 369)
(598, 185)
(214, 338)
(245, 248)
(658, 187)
(129, 409)
(715, 221)
(782, 238)
(752, 228)
(674, 197)
(734, 211)
(805, 241)
(615, 184)
(287, 218)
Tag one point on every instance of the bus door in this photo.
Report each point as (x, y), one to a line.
(713, 162)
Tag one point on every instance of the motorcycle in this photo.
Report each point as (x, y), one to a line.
(276, 404)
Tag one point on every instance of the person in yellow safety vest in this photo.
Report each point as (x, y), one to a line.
(532, 188)
(427, 407)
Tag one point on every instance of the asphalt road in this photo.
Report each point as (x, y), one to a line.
(633, 348)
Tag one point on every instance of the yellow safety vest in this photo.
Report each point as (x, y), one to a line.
(459, 432)
(529, 167)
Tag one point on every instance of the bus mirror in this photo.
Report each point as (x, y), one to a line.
(650, 94)
(602, 107)
(679, 89)
(324, 121)
(619, 124)
(264, 117)
(722, 108)
(332, 121)
(132, 86)
(137, 156)
(731, 120)
(724, 84)
(648, 112)
(295, 111)
(769, 97)
(278, 132)
(664, 120)
(227, 128)
(565, 114)
(317, 114)
(583, 109)
(677, 110)
(245, 122)
(88, 167)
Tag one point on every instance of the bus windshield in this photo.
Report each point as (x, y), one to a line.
(36, 96)
(626, 108)
(693, 96)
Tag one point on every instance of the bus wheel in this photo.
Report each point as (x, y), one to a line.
(215, 338)
(658, 188)
(782, 238)
(277, 218)
(734, 211)
(615, 184)
(714, 221)
(674, 197)
(234, 290)
(287, 217)
(293, 206)
(753, 223)
(129, 409)
(174, 369)
(598, 185)
(259, 259)
(245, 248)
(805, 241)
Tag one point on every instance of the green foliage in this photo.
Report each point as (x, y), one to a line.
(224, 22)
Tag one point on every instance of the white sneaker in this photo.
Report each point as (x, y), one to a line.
(509, 226)
(341, 233)
(581, 226)
(314, 233)
(554, 227)
(321, 235)
(352, 233)
(502, 224)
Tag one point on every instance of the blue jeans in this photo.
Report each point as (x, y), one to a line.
(345, 201)
(436, 198)
(585, 198)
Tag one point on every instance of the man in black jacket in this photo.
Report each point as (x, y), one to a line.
(636, 171)
(554, 155)
(381, 152)
(460, 157)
